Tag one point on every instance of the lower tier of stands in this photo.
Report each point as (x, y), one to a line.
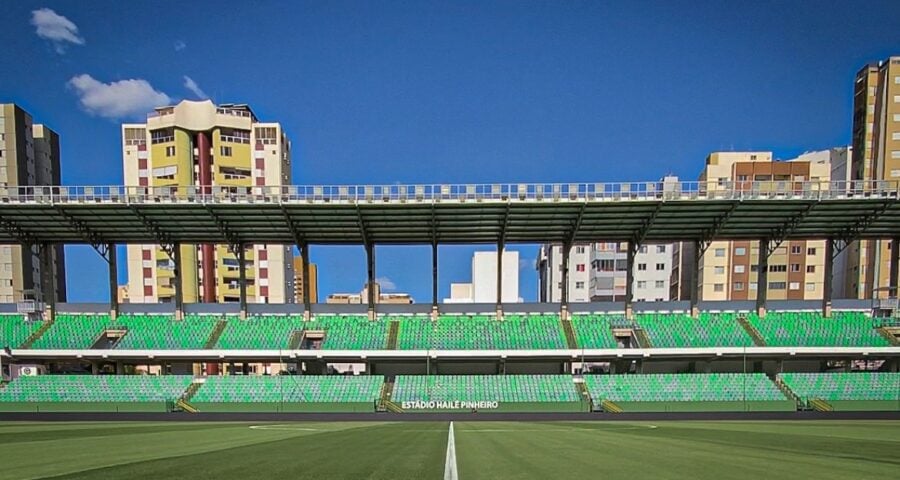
(287, 393)
(105, 393)
(487, 392)
(685, 392)
(845, 390)
(502, 393)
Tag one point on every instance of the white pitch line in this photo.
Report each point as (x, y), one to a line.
(450, 472)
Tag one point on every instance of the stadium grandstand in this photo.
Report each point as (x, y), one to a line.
(610, 357)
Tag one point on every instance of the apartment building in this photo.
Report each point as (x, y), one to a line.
(728, 269)
(875, 157)
(597, 272)
(29, 156)
(197, 143)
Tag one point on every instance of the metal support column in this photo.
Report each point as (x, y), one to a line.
(370, 279)
(894, 281)
(242, 279)
(629, 279)
(829, 268)
(306, 287)
(695, 279)
(434, 280)
(564, 297)
(177, 282)
(762, 278)
(113, 281)
(500, 279)
(48, 288)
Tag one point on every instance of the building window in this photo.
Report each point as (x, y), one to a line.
(579, 249)
(579, 267)
(641, 284)
(795, 267)
(162, 135)
(811, 287)
(135, 136)
(810, 269)
(643, 249)
(607, 265)
(225, 151)
(231, 173)
(719, 287)
(165, 173)
(720, 252)
(796, 250)
(234, 135)
(740, 251)
(739, 269)
(267, 135)
(170, 151)
(810, 251)
(660, 284)
(777, 285)
(778, 268)
(719, 270)
(660, 249)
(660, 266)
(579, 285)
(642, 267)
(738, 286)
(794, 286)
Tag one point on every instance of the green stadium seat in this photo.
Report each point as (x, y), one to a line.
(844, 385)
(73, 331)
(595, 330)
(481, 332)
(680, 330)
(682, 387)
(147, 332)
(96, 388)
(15, 329)
(350, 332)
(289, 388)
(811, 329)
(262, 332)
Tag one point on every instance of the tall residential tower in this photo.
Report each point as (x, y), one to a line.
(29, 155)
(876, 157)
(202, 144)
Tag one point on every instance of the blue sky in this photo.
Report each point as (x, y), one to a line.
(441, 92)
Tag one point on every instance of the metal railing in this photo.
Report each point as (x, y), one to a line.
(533, 192)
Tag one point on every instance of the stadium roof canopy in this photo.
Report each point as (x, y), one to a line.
(423, 214)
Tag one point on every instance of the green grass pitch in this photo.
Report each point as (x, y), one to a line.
(418, 450)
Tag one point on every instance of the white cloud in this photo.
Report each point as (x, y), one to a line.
(191, 85)
(120, 99)
(180, 45)
(386, 283)
(526, 264)
(56, 28)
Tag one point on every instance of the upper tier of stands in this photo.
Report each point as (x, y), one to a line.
(674, 330)
(844, 385)
(15, 329)
(162, 332)
(450, 331)
(682, 387)
(811, 329)
(481, 332)
(501, 388)
(95, 388)
(267, 332)
(289, 388)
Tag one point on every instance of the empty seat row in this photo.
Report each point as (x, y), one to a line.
(96, 388)
(480, 332)
(683, 387)
(289, 388)
(844, 385)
